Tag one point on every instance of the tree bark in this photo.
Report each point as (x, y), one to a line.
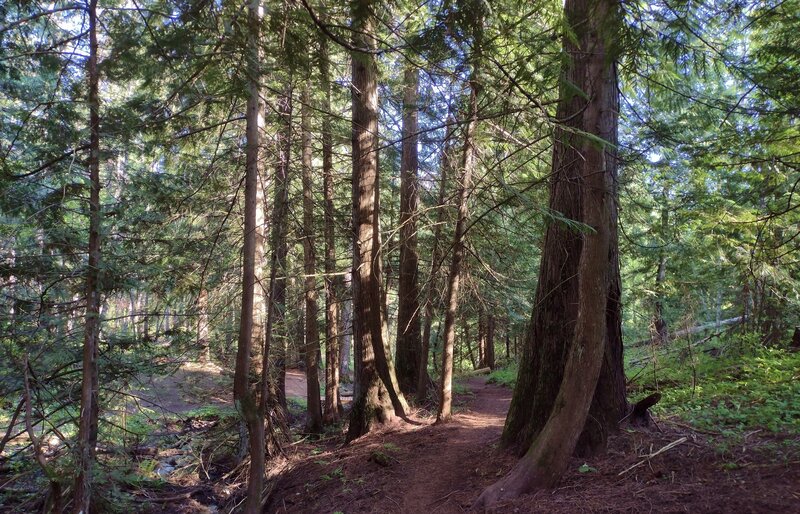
(464, 188)
(436, 258)
(314, 422)
(408, 320)
(202, 326)
(481, 338)
(490, 323)
(372, 404)
(87, 423)
(551, 333)
(276, 314)
(346, 329)
(243, 391)
(594, 171)
(333, 334)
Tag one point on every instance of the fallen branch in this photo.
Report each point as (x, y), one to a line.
(166, 499)
(671, 445)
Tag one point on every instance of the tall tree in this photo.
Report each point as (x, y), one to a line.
(586, 157)
(436, 259)
(87, 424)
(551, 332)
(373, 403)
(276, 314)
(464, 186)
(408, 315)
(244, 393)
(333, 335)
(314, 423)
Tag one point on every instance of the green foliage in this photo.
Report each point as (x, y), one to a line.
(296, 406)
(753, 391)
(505, 376)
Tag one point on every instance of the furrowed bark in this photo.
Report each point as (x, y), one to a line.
(333, 336)
(372, 403)
(581, 390)
(408, 319)
(550, 334)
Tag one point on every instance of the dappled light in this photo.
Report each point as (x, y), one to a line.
(418, 256)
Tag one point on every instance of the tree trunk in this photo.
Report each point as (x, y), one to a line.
(87, 424)
(464, 188)
(489, 341)
(202, 326)
(408, 321)
(508, 331)
(660, 328)
(314, 422)
(481, 338)
(346, 329)
(333, 334)
(244, 393)
(276, 314)
(594, 171)
(551, 332)
(476, 362)
(436, 259)
(372, 404)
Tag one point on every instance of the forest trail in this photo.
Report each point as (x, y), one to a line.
(416, 466)
(449, 457)
(408, 466)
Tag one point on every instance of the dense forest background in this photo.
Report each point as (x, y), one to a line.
(233, 228)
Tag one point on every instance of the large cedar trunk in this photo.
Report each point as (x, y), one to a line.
(372, 403)
(87, 425)
(314, 422)
(551, 332)
(579, 395)
(408, 321)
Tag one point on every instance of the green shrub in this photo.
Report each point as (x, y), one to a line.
(744, 392)
(506, 376)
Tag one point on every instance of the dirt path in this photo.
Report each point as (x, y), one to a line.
(409, 467)
(449, 458)
(419, 467)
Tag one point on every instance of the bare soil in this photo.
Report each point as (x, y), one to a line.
(416, 466)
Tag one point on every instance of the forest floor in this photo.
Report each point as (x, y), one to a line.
(420, 467)
(185, 461)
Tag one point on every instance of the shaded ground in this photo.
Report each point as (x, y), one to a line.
(419, 467)
(187, 462)
(192, 386)
(195, 385)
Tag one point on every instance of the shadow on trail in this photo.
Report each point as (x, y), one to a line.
(414, 466)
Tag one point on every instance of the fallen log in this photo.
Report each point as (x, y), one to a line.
(691, 330)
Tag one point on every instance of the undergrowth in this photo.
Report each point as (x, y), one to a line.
(730, 393)
(505, 376)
